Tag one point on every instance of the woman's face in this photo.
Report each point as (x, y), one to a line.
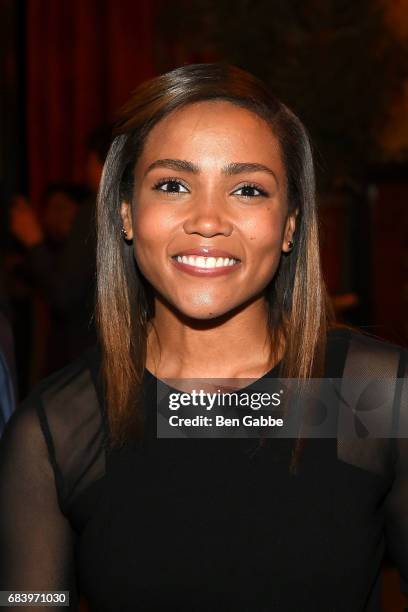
(209, 217)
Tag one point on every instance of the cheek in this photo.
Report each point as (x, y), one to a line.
(264, 247)
(264, 234)
(152, 228)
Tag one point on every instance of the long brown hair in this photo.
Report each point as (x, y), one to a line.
(296, 297)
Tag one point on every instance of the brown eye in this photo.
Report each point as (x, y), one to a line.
(170, 186)
(250, 191)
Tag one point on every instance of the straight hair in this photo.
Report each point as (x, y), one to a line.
(298, 307)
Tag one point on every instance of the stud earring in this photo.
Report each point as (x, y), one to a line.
(123, 233)
(290, 245)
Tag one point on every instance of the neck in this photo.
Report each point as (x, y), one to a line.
(233, 346)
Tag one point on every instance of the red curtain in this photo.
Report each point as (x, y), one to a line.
(83, 60)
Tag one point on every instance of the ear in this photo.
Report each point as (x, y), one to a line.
(290, 227)
(126, 214)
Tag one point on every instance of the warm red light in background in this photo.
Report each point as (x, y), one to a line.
(83, 59)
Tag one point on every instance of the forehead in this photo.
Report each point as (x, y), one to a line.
(213, 131)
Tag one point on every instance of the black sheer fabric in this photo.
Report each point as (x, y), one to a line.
(201, 524)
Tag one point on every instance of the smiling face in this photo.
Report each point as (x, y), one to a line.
(209, 217)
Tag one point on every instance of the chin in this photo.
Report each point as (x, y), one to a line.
(201, 314)
(197, 306)
(204, 312)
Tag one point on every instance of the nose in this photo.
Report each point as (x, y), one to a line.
(208, 217)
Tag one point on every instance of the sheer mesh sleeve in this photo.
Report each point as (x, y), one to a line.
(397, 499)
(36, 539)
(380, 369)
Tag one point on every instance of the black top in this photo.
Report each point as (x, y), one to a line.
(201, 524)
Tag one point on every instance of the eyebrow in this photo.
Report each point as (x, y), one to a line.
(174, 164)
(229, 170)
(238, 168)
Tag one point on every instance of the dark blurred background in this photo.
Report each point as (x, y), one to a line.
(67, 66)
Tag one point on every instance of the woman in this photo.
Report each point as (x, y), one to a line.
(208, 267)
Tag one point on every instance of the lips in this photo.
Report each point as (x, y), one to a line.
(206, 262)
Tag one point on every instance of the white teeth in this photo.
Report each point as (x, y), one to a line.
(206, 262)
